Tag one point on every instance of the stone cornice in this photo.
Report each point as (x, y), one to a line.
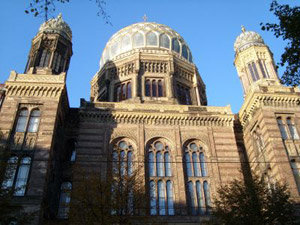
(33, 78)
(276, 96)
(155, 114)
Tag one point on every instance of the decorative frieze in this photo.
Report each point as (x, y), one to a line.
(33, 91)
(154, 66)
(121, 71)
(182, 73)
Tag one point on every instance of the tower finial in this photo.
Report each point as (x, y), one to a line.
(145, 18)
(243, 29)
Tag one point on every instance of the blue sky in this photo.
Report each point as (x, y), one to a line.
(210, 28)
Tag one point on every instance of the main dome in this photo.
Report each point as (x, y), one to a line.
(145, 35)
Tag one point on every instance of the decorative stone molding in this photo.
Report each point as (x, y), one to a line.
(202, 137)
(182, 73)
(155, 118)
(129, 133)
(15, 77)
(121, 71)
(33, 90)
(161, 133)
(154, 66)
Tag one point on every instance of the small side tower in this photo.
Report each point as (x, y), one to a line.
(33, 116)
(253, 60)
(51, 48)
(270, 114)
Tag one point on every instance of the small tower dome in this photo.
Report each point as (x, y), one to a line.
(57, 25)
(247, 39)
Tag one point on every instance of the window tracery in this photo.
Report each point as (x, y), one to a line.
(196, 175)
(160, 178)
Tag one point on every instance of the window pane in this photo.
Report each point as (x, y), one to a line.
(296, 171)
(151, 164)
(262, 69)
(10, 172)
(160, 88)
(196, 165)
(123, 95)
(251, 72)
(255, 70)
(159, 164)
(154, 90)
(22, 121)
(184, 52)
(164, 41)
(282, 129)
(34, 121)
(292, 129)
(199, 198)
(179, 94)
(126, 43)
(151, 39)
(175, 45)
(153, 198)
(170, 198)
(129, 90)
(117, 93)
(114, 50)
(123, 163)
(138, 40)
(129, 163)
(22, 176)
(159, 146)
(206, 195)
(188, 165)
(203, 166)
(115, 160)
(190, 57)
(168, 165)
(161, 198)
(187, 96)
(148, 88)
(192, 197)
(64, 201)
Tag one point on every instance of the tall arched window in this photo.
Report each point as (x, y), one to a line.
(45, 58)
(292, 129)
(206, 195)
(123, 91)
(282, 128)
(34, 120)
(196, 176)
(160, 88)
(154, 88)
(183, 94)
(164, 41)
(64, 200)
(16, 175)
(296, 171)
(22, 120)
(148, 88)
(160, 178)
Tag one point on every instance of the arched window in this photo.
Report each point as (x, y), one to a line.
(45, 58)
(64, 200)
(126, 43)
(151, 39)
(160, 88)
(148, 88)
(164, 41)
(292, 129)
(22, 120)
(296, 171)
(138, 40)
(161, 190)
(114, 50)
(128, 90)
(154, 88)
(16, 175)
(175, 45)
(190, 57)
(262, 69)
(183, 94)
(73, 151)
(122, 158)
(195, 176)
(34, 120)
(282, 128)
(184, 52)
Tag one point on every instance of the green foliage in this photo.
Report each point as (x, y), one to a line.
(289, 29)
(46, 8)
(99, 200)
(252, 202)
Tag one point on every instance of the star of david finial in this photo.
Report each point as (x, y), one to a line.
(145, 18)
(243, 29)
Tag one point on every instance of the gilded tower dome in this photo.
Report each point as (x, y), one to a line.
(145, 35)
(247, 39)
(57, 25)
